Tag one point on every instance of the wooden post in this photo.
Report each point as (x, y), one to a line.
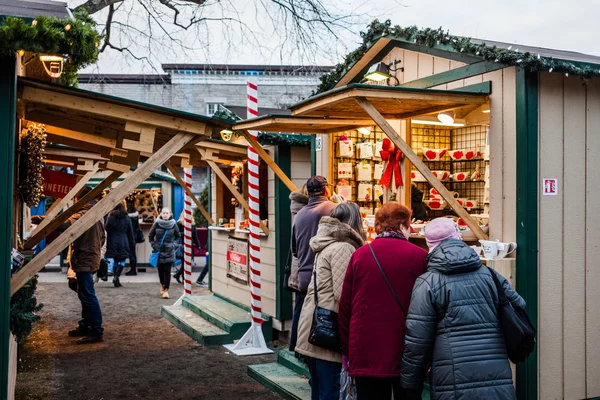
(62, 218)
(99, 210)
(230, 186)
(420, 165)
(59, 204)
(266, 158)
(189, 192)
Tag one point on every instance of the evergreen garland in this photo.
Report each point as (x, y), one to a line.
(438, 37)
(274, 139)
(23, 306)
(33, 144)
(74, 37)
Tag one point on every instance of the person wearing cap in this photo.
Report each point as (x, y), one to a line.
(373, 305)
(305, 228)
(453, 325)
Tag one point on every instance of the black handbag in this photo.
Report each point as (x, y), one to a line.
(519, 332)
(139, 236)
(287, 273)
(324, 329)
(102, 269)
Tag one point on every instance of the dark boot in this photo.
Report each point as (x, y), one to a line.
(132, 272)
(89, 339)
(178, 274)
(118, 270)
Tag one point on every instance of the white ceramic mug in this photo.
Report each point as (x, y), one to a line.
(494, 249)
(505, 249)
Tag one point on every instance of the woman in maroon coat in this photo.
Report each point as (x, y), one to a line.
(371, 322)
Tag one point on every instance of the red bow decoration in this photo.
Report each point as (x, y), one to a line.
(392, 155)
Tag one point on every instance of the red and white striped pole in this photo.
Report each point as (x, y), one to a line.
(253, 341)
(187, 234)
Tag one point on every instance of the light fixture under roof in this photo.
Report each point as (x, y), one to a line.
(446, 117)
(378, 72)
(427, 120)
(366, 131)
(486, 109)
(226, 134)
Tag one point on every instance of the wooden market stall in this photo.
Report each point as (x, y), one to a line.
(530, 118)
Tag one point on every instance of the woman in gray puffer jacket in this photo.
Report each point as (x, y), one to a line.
(165, 226)
(453, 325)
(297, 202)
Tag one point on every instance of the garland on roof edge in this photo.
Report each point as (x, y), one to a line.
(75, 37)
(432, 37)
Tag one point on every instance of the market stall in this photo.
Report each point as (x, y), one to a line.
(519, 158)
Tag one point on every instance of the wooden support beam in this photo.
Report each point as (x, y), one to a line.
(96, 140)
(189, 192)
(62, 218)
(421, 167)
(146, 137)
(42, 96)
(231, 188)
(266, 158)
(97, 212)
(59, 204)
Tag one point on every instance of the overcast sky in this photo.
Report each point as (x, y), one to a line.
(566, 25)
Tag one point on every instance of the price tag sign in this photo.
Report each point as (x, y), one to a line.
(550, 186)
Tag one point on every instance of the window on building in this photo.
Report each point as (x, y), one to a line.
(212, 108)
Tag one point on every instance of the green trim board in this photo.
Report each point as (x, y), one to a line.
(283, 304)
(454, 75)
(210, 212)
(527, 100)
(439, 50)
(8, 113)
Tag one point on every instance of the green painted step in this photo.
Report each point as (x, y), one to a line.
(226, 315)
(195, 326)
(281, 380)
(287, 359)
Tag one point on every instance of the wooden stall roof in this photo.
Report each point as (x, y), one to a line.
(338, 110)
(394, 102)
(288, 123)
(119, 130)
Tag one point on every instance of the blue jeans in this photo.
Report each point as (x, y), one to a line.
(296, 319)
(90, 307)
(324, 379)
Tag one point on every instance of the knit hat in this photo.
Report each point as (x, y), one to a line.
(440, 229)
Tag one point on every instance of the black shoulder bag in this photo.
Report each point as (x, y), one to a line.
(324, 329)
(387, 281)
(519, 332)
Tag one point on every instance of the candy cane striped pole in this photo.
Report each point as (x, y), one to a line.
(187, 235)
(253, 341)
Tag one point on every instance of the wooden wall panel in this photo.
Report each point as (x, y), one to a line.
(592, 240)
(411, 66)
(509, 154)
(396, 54)
(440, 65)
(550, 330)
(573, 187)
(496, 158)
(425, 67)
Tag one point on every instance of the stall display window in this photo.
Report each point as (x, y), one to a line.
(356, 166)
(456, 157)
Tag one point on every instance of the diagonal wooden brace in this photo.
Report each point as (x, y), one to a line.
(62, 218)
(98, 212)
(59, 204)
(189, 192)
(230, 186)
(266, 158)
(421, 167)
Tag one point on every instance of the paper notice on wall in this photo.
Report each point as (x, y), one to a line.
(237, 259)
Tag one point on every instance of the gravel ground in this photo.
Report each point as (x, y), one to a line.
(142, 356)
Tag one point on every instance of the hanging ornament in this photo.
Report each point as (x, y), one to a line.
(391, 156)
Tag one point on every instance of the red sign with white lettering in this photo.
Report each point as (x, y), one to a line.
(236, 257)
(550, 187)
(57, 184)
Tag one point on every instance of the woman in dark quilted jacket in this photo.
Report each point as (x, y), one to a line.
(120, 243)
(452, 323)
